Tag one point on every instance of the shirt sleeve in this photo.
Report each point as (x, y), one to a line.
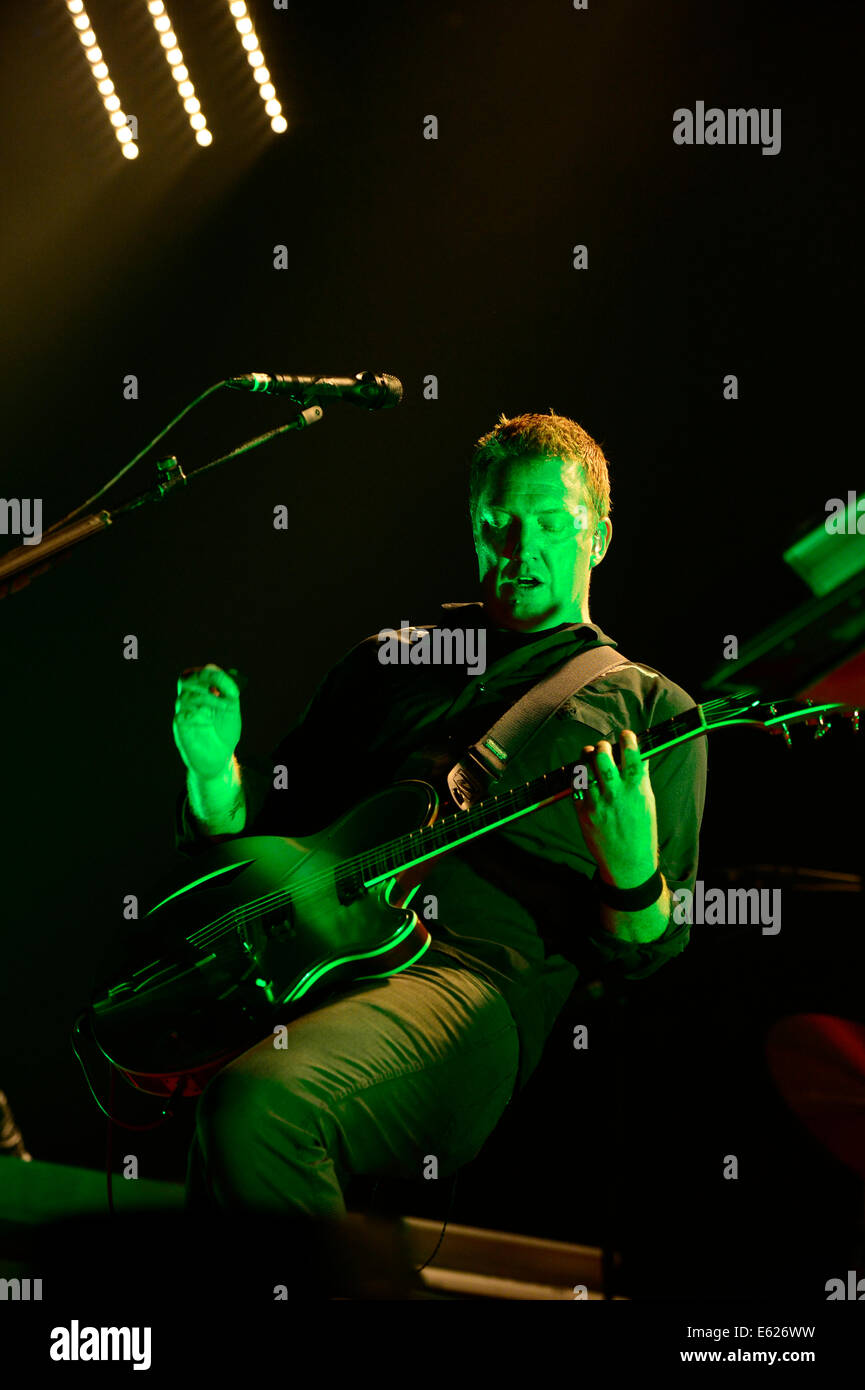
(679, 783)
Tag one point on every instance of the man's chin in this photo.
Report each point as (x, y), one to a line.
(522, 612)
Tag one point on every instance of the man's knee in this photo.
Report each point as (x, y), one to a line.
(264, 1144)
(237, 1111)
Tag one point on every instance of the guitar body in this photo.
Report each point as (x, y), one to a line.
(262, 925)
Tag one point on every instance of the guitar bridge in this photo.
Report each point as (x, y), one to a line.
(349, 887)
(278, 924)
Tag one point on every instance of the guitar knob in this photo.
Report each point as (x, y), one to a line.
(855, 718)
(822, 727)
(785, 734)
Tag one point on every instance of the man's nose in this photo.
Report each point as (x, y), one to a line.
(520, 545)
(515, 541)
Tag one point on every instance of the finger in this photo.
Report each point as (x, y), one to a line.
(633, 766)
(189, 699)
(207, 710)
(589, 795)
(580, 779)
(608, 773)
(209, 678)
(199, 709)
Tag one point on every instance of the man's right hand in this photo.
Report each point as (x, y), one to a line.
(207, 721)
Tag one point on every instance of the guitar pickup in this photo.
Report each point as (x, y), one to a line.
(349, 887)
(277, 924)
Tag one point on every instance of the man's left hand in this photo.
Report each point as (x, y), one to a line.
(617, 816)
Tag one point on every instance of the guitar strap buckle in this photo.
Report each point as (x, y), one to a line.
(469, 780)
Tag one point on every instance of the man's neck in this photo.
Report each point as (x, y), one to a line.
(538, 633)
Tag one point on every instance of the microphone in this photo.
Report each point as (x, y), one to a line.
(373, 390)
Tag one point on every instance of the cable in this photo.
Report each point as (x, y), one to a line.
(108, 1142)
(116, 479)
(444, 1226)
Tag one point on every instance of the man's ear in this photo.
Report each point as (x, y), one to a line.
(601, 541)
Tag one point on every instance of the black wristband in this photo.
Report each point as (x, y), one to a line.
(631, 899)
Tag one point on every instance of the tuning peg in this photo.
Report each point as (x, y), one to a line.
(781, 728)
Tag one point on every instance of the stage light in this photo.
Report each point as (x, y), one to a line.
(254, 56)
(99, 69)
(179, 71)
(131, 150)
(203, 137)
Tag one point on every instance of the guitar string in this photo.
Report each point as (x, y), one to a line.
(377, 857)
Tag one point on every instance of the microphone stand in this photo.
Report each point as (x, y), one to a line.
(25, 562)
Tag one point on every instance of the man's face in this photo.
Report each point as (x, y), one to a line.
(533, 537)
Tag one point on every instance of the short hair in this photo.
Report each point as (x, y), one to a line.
(548, 437)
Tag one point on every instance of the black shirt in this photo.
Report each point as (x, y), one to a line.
(515, 905)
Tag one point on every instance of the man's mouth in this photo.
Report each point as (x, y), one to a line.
(523, 584)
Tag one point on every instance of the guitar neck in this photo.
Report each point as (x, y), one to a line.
(458, 827)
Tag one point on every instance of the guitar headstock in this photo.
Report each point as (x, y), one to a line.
(777, 715)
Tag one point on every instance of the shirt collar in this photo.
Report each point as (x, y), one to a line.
(558, 632)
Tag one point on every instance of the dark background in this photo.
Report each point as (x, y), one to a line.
(450, 257)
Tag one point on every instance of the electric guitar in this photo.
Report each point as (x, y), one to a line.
(267, 923)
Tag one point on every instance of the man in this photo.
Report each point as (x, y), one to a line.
(379, 1078)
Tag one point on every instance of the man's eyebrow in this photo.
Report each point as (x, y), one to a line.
(548, 511)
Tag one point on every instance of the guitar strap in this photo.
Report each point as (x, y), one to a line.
(484, 763)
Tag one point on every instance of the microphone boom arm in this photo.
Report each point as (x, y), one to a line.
(24, 562)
